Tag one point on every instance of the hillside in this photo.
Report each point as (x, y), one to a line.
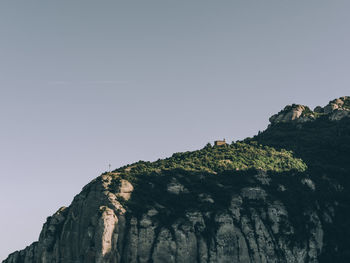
(281, 196)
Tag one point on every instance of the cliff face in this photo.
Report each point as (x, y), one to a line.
(255, 227)
(245, 202)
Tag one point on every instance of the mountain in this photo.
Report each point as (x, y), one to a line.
(281, 196)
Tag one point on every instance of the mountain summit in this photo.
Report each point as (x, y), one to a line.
(281, 196)
(335, 110)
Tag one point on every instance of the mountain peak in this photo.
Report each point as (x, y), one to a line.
(278, 197)
(335, 110)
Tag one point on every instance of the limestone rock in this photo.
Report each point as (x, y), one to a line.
(337, 104)
(260, 217)
(125, 190)
(295, 112)
(335, 110)
(94, 228)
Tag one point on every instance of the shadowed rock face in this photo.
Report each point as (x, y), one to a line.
(223, 215)
(255, 227)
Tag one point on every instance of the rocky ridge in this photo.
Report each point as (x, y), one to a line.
(245, 202)
(334, 110)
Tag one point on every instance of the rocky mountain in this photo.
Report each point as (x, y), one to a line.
(281, 196)
(335, 110)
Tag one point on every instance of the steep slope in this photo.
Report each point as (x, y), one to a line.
(324, 144)
(278, 197)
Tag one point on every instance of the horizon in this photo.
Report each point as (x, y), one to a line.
(85, 85)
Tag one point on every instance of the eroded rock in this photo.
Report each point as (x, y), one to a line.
(95, 229)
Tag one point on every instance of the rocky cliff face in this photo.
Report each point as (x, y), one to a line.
(220, 206)
(255, 227)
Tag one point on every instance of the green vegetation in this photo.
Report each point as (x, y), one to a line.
(209, 177)
(285, 153)
(216, 159)
(324, 146)
(321, 144)
(210, 193)
(307, 112)
(347, 103)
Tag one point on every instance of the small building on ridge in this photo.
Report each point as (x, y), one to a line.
(220, 143)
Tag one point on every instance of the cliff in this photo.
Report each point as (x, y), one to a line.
(282, 196)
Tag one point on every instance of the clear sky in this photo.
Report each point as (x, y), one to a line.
(88, 83)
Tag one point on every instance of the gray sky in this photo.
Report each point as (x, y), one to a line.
(88, 83)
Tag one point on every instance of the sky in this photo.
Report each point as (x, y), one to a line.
(85, 84)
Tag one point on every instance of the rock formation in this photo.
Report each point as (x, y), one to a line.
(335, 110)
(254, 228)
(223, 214)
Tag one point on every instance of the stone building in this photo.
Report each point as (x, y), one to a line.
(219, 143)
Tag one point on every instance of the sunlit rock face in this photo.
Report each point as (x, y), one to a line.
(335, 110)
(295, 112)
(341, 103)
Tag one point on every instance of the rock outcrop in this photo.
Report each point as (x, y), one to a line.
(246, 202)
(255, 227)
(335, 110)
(295, 112)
